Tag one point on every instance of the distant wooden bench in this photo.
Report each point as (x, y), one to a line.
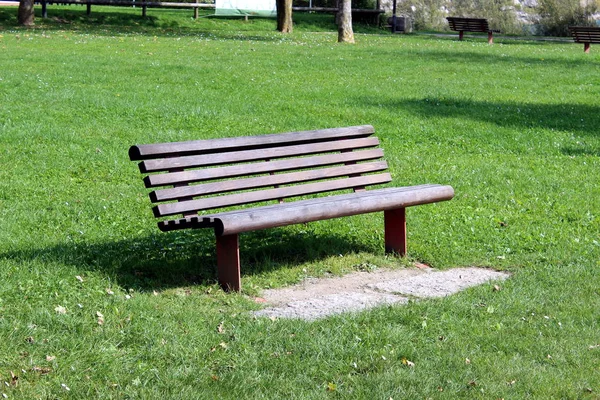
(233, 173)
(586, 35)
(471, 25)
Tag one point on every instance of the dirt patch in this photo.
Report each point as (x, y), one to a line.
(319, 298)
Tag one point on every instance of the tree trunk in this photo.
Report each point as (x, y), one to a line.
(25, 14)
(345, 33)
(284, 16)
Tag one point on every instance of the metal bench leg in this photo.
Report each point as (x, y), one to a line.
(460, 35)
(586, 47)
(490, 38)
(395, 231)
(228, 262)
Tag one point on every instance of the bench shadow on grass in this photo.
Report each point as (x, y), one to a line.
(581, 120)
(166, 260)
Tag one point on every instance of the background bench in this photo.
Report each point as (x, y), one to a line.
(227, 184)
(471, 25)
(586, 35)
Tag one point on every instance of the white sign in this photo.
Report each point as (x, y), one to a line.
(259, 8)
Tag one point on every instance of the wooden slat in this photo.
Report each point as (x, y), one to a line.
(302, 211)
(585, 34)
(149, 151)
(166, 164)
(265, 181)
(269, 194)
(233, 171)
(333, 207)
(213, 220)
(468, 24)
(317, 201)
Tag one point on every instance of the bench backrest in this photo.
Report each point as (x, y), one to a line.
(585, 34)
(468, 24)
(210, 174)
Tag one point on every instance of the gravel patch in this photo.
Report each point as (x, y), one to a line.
(330, 304)
(320, 298)
(438, 283)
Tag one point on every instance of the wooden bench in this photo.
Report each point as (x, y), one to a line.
(225, 183)
(586, 35)
(471, 25)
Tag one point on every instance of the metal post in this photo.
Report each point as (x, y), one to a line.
(395, 231)
(228, 262)
(394, 17)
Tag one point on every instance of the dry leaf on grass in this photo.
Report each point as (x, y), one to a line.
(41, 370)
(60, 309)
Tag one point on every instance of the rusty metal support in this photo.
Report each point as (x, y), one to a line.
(395, 231)
(228, 262)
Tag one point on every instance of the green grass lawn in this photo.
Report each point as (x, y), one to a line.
(95, 302)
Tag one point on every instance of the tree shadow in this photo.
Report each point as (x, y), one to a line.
(582, 119)
(126, 22)
(459, 55)
(581, 150)
(121, 20)
(161, 261)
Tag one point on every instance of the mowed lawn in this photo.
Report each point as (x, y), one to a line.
(95, 302)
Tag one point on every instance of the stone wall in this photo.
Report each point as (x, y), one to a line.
(512, 16)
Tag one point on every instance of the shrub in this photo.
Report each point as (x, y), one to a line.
(557, 15)
(425, 14)
(431, 14)
(500, 13)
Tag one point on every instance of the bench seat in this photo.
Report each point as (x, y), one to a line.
(310, 210)
(586, 35)
(249, 183)
(461, 25)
